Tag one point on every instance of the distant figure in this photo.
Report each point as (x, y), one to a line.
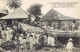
(45, 40)
(70, 45)
(49, 39)
(9, 33)
(3, 34)
(37, 37)
(0, 27)
(31, 42)
(73, 26)
(52, 41)
(21, 43)
(66, 27)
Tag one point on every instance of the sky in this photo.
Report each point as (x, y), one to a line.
(72, 12)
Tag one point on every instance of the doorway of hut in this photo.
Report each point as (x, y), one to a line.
(64, 40)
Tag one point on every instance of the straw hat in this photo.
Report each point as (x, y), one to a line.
(70, 39)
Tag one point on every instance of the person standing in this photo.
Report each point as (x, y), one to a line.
(52, 41)
(49, 39)
(73, 26)
(45, 40)
(24, 44)
(31, 40)
(37, 38)
(69, 46)
(0, 27)
(3, 34)
(21, 43)
(9, 34)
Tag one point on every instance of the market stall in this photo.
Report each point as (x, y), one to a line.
(63, 36)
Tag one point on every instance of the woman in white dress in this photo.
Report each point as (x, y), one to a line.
(70, 45)
(31, 40)
(49, 39)
(21, 43)
(3, 34)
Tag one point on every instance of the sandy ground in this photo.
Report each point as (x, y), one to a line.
(53, 50)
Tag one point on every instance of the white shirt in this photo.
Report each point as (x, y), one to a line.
(21, 40)
(69, 45)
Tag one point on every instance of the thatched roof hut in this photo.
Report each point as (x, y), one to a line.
(54, 15)
(16, 14)
(3, 12)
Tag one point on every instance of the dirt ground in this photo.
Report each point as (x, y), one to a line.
(53, 50)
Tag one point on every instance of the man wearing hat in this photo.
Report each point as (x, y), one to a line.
(70, 45)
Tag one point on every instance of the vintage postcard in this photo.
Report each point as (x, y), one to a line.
(39, 25)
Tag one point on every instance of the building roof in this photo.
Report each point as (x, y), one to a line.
(27, 27)
(16, 14)
(54, 15)
(3, 11)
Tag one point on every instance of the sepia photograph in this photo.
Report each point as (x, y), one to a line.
(39, 25)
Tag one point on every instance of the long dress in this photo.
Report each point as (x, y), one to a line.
(49, 40)
(24, 45)
(3, 34)
(45, 40)
(37, 37)
(31, 42)
(52, 41)
(21, 44)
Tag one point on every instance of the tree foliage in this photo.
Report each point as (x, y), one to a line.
(35, 9)
(12, 4)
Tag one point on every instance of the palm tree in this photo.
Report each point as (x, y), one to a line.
(13, 4)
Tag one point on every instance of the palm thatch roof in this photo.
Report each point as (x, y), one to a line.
(54, 15)
(16, 14)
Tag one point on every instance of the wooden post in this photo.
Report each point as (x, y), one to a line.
(59, 24)
(79, 41)
(56, 41)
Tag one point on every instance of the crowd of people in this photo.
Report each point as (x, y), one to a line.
(25, 40)
(72, 26)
